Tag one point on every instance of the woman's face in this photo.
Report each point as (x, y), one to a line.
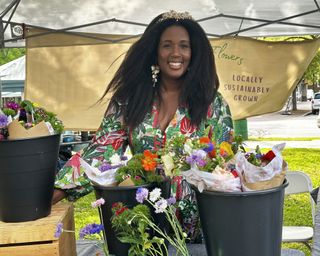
(174, 52)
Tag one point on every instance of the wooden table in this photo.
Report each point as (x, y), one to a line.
(36, 238)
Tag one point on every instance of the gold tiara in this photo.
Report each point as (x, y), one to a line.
(175, 15)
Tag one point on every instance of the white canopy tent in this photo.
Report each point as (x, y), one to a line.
(250, 18)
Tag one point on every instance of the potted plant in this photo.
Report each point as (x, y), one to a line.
(29, 147)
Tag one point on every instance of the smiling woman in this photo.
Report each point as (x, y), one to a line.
(166, 86)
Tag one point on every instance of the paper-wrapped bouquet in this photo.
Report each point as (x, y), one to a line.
(224, 167)
(140, 169)
(26, 120)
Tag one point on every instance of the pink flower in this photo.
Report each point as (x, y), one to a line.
(98, 203)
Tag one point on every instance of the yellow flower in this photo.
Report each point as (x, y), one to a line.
(35, 104)
(225, 149)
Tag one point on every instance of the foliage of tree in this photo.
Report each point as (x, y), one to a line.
(9, 54)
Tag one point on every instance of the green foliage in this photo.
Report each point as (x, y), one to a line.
(132, 226)
(9, 54)
(136, 172)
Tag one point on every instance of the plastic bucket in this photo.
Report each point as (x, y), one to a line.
(244, 223)
(126, 195)
(27, 174)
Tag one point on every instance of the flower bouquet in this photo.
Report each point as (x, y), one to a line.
(223, 167)
(260, 171)
(140, 169)
(203, 163)
(27, 119)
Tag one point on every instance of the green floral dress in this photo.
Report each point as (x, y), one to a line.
(114, 137)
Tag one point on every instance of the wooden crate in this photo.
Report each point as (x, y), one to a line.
(36, 238)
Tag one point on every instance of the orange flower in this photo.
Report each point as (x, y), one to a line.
(148, 162)
(204, 140)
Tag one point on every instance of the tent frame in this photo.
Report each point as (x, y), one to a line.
(265, 22)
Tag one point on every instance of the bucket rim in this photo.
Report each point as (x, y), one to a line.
(245, 193)
(31, 138)
(111, 188)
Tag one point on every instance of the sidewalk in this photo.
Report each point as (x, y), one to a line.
(289, 144)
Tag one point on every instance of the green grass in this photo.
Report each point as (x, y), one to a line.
(295, 207)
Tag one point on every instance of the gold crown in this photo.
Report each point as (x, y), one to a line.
(175, 15)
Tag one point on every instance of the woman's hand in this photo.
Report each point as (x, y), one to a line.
(58, 195)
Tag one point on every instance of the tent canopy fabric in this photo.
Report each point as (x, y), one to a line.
(250, 18)
(12, 75)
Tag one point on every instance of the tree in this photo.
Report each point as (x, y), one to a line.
(9, 54)
(312, 74)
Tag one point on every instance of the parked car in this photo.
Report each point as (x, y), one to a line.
(318, 120)
(310, 94)
(315, 103)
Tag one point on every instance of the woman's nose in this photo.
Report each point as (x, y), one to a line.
(176, 50)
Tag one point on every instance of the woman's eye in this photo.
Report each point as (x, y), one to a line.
(166, 45)
(185, 46)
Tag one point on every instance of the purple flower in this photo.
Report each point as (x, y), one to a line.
(12, 105)
(209, 147)
(171, 200)
(105, 166)
(59, 230)
(142, 194)
(259, 156)
(90, 229)
(197, 157)
(3, 121)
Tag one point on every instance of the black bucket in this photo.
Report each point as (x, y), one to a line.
(242, 223)
(126, 195)
(27, 174)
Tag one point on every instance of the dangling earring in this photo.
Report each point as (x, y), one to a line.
(155, 70)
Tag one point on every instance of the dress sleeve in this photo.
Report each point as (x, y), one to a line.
(220, 121)
(111, 138)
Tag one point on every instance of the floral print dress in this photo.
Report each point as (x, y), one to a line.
(114, 137)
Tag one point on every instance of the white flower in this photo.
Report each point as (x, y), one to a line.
(115, 159)
(155, 194)
(160, 205)
(168, 164)
(187, 147)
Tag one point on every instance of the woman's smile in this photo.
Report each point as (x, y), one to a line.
(174, 53)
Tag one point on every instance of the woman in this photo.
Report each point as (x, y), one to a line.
(166, 85)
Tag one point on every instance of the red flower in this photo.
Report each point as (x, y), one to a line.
(121, 210)
(268, 157)
(234, 173)
(186, 127)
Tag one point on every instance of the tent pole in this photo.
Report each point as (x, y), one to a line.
(0, 93)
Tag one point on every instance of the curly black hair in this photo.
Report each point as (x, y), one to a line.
(132, 83)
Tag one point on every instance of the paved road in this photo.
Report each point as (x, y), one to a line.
(296, 125)
(279, 125)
